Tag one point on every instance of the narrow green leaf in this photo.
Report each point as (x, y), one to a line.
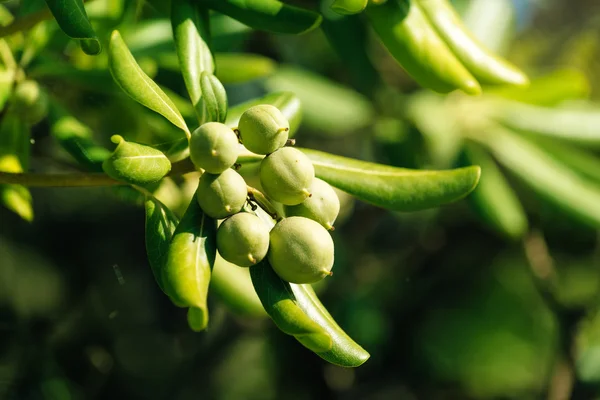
(548, 177)
(242, 67)
(481, 62)
(578, 125)
(130, 77)
(268, 15)
(493, 199)
(233, 286)
(160, 226)
(328, 106)
(135, 163)
(214, 98)
(548, 90)
(349, 7)
(190, 32)
(287, 102)
(14, 158)
(345, 352)
(296, 310)
(398, 189)
(579, 160)
(73, 20)
(189, 261)
(77, 139)
(17, 199)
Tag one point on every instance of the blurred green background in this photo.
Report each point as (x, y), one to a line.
(448, 308)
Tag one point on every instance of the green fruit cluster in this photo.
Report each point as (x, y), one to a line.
(299, 247)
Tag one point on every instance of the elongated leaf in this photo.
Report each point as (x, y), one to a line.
(565, 123)
(491, 22)
(242, 67)
(548, 90)
(296, 310)
(482, 63)
(493, 199)
(268, 15)
(398, 189)
(545, 175)
(233, 286)
(190, 31)
(189, 262)
(73, 20)
(579, 160)
(287, 102)
(14, 158)
(328, 106)
(214, 98)
(136, 163)
(160, 226)
(408, 35)
(77, 139)
(130, 77)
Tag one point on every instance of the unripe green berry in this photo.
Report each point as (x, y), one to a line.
(214, 147)
(286, 175)
(263, 129)
(301, 250)
(323, 206)
(30, 102)
(243, 239)
(221, 195)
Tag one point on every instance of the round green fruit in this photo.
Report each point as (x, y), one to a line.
(30, 102)
(301, 250)
(323, 206)
(263, 129)
(214, 147)
(243, 239)
(221, 195)
(286, 175)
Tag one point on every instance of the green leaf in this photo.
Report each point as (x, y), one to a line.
(578, 125)
(482, 63)
(493, 199)
(77, 139)
(190, 32)
(242, 67)
(579, 160)
(328, 106)
(160, 226)
(214, 98)
(73, 20)
(491, 22)
(189, 262)
(14, 158)
(287, 102)
(268, 15)
(130, 77)
(548, 90)
(348, 7)
(548, 177)
(17, 199)
(296, 310)
(407, 34)
(398, 189)
(233, 286)
(135, 163)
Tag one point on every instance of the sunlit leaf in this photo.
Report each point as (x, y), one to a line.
(394, 188)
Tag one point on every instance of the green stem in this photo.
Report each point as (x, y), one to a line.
(263, 202)
(58, 180)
